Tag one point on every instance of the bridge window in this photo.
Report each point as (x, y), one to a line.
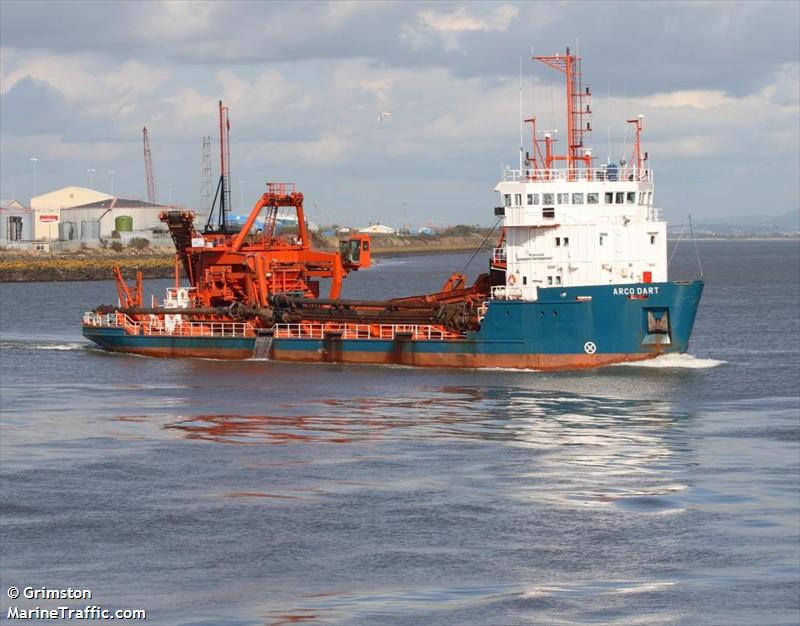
(631, 199)
(592, 198)
(548, 212)
(533, 198)
(547, 198)
(563, 198)
(620, 197)
(609, 197)
(507, 199)
(517, 199)
(577, 198)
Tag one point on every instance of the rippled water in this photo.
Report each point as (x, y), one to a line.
(209, 492)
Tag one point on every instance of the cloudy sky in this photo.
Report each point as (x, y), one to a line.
(718, 84)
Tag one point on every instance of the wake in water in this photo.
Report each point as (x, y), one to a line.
(675, 361)
(42, 344)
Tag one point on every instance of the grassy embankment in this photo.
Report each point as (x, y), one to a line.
(97, 264)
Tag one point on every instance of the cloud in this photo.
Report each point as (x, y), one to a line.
(448, 26)
(100, 87)
(717, 83)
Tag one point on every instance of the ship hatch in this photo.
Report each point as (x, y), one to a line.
(656, 323)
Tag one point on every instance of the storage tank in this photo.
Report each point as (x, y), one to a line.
(67, 231)
(123, 223)
(90, 230)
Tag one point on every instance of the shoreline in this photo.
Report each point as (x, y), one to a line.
(77, 267)
(86, 265)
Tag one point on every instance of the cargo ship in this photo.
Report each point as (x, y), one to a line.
(577, 280)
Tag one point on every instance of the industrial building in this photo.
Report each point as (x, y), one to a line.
(47, 208)
(116, 214)
(73, 213)
(378, 229)
(16, 223)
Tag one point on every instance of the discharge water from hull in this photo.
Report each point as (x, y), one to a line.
(262, 348)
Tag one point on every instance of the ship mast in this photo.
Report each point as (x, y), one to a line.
(578, 113)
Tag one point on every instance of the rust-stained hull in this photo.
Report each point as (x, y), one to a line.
(538, 362)
(570, 328)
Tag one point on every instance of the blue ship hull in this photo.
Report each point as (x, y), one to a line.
(566, 328)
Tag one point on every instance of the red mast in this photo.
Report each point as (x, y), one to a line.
(148, 168)
(637, 146)
(578, 110)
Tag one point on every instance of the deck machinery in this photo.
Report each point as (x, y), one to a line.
(254, 282)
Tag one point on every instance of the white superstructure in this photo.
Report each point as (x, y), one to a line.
(581, 224)
(599, 229)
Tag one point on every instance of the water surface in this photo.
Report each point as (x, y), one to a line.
(209, 492)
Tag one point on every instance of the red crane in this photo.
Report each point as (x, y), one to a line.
(148, 168)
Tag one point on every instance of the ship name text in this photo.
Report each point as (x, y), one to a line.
(635, 291)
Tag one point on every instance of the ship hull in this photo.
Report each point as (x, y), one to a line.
(566, 328)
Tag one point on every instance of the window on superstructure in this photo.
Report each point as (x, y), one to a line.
(535, 198)
(549, 280)
(631, 198)
(507, 199)
(609, 197)
(517, 199)
(620, 197)
(652, 240)
(641, 197)
(530, 198)
(649, 198)
(547, 198)
(548, 212)
(566, 241)
(524, 280)
(577, 198)
(558, 242)
(592, 198)
(563, 198)
(603, 238)
(558, 279)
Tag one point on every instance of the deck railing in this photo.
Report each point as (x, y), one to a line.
(168, 325)
(362, 331)
(622, 174)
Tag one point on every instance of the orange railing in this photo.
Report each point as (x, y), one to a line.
(363, 331)
(168, 325)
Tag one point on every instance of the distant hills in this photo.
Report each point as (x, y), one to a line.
(786, 225)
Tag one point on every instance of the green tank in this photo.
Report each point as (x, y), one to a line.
(123, 223)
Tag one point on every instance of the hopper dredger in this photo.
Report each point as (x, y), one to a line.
(579, 278)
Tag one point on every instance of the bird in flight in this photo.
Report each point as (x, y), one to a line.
(383, 115)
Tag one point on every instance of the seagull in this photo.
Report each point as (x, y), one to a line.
(383, 115)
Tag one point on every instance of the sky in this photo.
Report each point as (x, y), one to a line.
(718, 84)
